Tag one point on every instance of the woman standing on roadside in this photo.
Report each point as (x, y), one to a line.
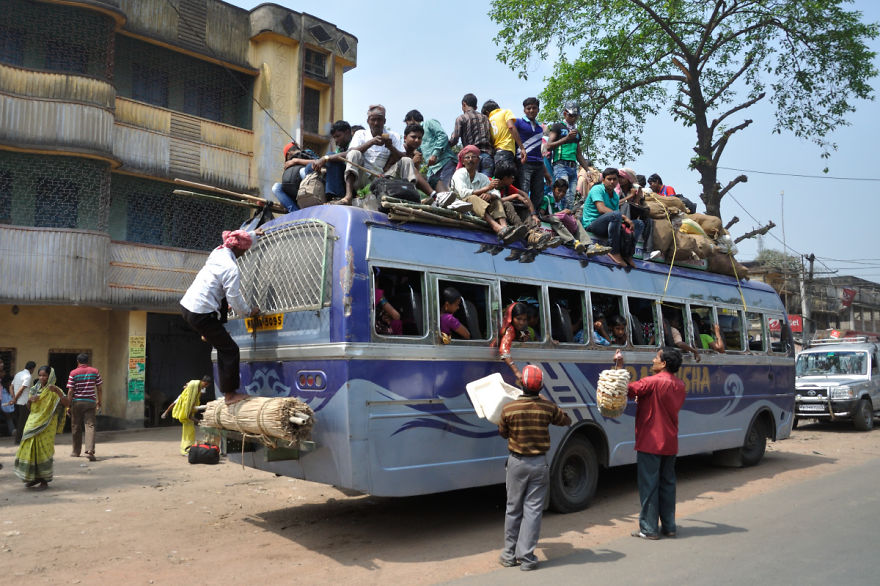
(34, 458)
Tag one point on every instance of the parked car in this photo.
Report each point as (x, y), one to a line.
(839, 379)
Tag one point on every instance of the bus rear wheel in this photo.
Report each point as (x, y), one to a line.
(755, 444)
(574, 476)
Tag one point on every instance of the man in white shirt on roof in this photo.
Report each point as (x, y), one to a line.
(380, 151)
(206, 302)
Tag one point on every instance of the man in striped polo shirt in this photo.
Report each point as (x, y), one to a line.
(524, 423)
(84, 387)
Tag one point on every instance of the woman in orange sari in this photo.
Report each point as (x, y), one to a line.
(34, 458)
(514, 328)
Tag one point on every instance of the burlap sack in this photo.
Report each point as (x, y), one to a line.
(662, 235)
(660, 205)
(724, 264)
(711, 225)
(685, 248)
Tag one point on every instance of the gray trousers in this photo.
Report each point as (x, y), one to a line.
(527, 481)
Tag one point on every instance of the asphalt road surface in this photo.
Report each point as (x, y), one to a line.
(821, 531)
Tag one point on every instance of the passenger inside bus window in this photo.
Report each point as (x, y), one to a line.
(604, 306)
(731, 329)
(673, 329)
(450, 303)
(617, 327)
(566, 315)
(472, 312)
(399, 302)
(642, 321)
(707, 334)
(530, 296)
(755, 332)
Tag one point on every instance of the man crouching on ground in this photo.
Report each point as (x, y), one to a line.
(524, 424)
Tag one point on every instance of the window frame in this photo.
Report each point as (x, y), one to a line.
(489, 332)
(655, 304)
(402, 338)
(543, 309)
(743, 347)
(581, 293)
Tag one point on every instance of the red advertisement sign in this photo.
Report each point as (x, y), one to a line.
(795, 322)
(848, 296)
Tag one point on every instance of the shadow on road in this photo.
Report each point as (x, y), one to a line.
(463, 523)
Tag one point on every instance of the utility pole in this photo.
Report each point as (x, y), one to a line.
(805, 304)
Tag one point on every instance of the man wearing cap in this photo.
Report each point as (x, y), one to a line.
(524, 423)
(564, 141)
(205, 304)
(373, 152)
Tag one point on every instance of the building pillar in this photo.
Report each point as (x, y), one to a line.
(126, 366)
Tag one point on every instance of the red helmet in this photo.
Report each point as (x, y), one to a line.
(532, 379)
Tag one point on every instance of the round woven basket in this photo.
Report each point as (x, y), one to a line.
(611, 397)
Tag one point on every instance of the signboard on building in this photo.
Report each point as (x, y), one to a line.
(795, 322)
(137, 361)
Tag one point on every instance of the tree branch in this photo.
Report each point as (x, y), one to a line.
(736, 109)
(729, 186)
(732, 221)
(746, 64)
(664, 24)
(721, 143)
(756, 232)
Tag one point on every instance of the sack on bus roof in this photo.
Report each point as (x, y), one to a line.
(311, 191)
(725, 264)
(399, 188)
(660, 206)
(711, 225)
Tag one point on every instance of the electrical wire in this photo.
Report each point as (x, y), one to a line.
(800, 175)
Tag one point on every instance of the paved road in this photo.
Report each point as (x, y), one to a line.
(820, 531)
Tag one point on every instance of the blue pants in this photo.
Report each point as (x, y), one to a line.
(608, 225)
(656, 478)
(532, 182)
(527, 480)
(487, 165)
(570, 174)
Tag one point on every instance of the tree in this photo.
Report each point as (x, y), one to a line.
(707, 61)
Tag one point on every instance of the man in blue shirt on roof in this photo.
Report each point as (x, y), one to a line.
(534, 172)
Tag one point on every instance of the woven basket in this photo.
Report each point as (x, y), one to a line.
(611, 400)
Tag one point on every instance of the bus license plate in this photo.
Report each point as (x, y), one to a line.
(274, 321)
(811, 407)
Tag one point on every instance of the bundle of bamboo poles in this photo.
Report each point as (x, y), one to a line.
(268, 419)
(401, 210)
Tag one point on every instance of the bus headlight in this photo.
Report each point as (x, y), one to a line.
(840, 393)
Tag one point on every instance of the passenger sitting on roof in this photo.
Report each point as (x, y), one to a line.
(435, 147)
(470, 185)
(295, 162)
(334, 161)
(602, 216)
(518, 207)
(567, 228)
(374, 152)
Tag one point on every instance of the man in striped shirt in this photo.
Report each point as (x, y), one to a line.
(84, 388)
(524, 423)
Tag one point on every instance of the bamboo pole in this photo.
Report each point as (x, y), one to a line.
(232, 202)
(241, 196)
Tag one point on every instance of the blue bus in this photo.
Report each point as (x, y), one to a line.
(392, 414)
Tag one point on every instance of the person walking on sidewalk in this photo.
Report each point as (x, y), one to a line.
(524, 423)
(84, 388)
(659, 398)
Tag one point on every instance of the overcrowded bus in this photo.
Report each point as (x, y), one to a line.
(392, 415)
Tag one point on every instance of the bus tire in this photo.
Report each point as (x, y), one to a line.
(755, 443)
(863, 418)
(574, 476)
(794, 423)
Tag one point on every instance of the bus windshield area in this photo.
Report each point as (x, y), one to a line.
(825, 363)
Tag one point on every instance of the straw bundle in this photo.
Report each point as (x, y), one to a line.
(283, 418)
(611, 392)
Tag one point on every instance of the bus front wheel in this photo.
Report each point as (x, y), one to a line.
(574, 476)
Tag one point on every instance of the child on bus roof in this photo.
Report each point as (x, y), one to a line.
(450, 302)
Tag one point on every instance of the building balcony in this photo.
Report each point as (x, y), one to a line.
(60, 112)
(164, 143)
(83, 267)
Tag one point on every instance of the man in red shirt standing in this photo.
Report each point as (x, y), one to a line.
(659, 398)
(84, 388)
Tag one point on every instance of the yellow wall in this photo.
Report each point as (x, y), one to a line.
(36, 330)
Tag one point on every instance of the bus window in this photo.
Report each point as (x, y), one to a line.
(399, 302)
(674, 324)
(731, 329)
(642, 321)
(472, 311)
(531, 296)
(703, 323)
(603, 307)
(755, 332)
(566, 314)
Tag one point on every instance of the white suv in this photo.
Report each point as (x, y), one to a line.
(839, 379)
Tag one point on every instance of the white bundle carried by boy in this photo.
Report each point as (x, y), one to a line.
(611, 392)
(490, 394)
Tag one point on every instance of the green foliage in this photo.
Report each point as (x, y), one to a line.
(779, 260)
(702, 61)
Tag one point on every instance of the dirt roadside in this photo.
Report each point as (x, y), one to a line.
(142, 514)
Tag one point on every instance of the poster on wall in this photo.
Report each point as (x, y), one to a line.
(137, 362)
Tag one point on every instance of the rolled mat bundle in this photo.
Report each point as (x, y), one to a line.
(281, 418)
(611, 392)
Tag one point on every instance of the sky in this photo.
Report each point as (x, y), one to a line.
(428, 55)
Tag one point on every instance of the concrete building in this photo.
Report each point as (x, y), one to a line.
(102, 104)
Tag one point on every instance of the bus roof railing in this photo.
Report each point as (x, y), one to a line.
(846, 340)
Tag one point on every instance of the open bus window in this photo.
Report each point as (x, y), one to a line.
(779, 334)
(471, 312)
(731, 328)
(531, 296)
(755, 332)
(703, 324)
(566, 314)
(604, 307)
(642, 321)
(399, 301)
(674, 324)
